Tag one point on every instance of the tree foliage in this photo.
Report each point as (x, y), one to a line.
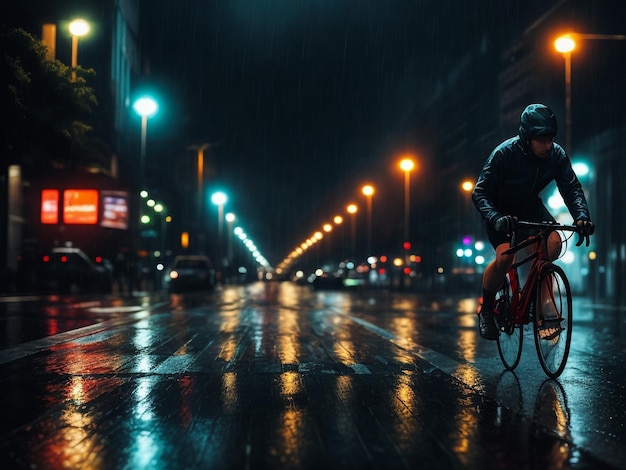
(44, 110)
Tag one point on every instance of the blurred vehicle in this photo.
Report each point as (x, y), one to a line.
(68, 270)
(326, 281)
(191, 273)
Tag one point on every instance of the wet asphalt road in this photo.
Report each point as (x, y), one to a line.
(280, 376)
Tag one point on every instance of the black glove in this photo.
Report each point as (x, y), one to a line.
(585, 228)
(504, 224)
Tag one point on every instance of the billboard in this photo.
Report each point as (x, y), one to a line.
(49, 213)
(114, 209)
(107, 208)
(80, 206)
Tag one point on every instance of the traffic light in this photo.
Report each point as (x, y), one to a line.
(406, 245)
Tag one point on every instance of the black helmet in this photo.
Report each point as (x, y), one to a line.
(536, 120)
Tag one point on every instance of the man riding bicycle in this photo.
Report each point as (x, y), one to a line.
(508, 188)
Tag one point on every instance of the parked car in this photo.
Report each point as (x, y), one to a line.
(68, 270)
(191, 273)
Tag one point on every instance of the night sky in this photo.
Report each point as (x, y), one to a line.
(304, 100)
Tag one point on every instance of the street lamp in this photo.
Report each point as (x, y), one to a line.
(200, 173)
(467, 187)
(230, 218)
(146, 107)
(406, 165)
(352, 209)
(368, 191)
(327, 228)
(338, 220)
(219, 199)
(78, 28)
(565, 44)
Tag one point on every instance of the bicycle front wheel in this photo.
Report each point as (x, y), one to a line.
(511, 335)
(552, 325)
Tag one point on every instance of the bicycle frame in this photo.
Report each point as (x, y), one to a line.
(522, 295)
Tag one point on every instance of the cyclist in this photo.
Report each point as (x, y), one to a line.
(508, 188)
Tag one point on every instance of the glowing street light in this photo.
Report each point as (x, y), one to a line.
(230, 219)
(200, 172)
(146, 107)
(219, 198)
(78, 28)
(352, 209)
(407, 165)
(466, 186)
(368, 191)
(327, 228)
(565, 44)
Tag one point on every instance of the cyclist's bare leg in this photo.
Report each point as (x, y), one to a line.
(547, 309)
(554, 246)
(496, 270)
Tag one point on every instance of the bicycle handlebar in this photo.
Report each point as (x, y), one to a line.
(551, 226)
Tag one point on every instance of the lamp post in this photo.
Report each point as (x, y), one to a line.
(565, 45)
(219, 199)
(327, 228)
(146, 107)
(338, 220)
(407, 165)
(230, 219)
(464, 217)
(467, 187)
(352, 209)
(368, 191)
(200, 173)
(78, 28)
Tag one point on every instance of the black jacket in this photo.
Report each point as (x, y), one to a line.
(512, 178)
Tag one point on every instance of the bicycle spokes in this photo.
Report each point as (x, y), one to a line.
(511, 335)
(553, 320)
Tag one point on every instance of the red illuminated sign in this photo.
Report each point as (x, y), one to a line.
(80, 206)
(49, 206)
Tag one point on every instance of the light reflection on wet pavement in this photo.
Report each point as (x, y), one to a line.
(279, 376)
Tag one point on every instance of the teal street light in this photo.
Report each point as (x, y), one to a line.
(230, 219)
(146, 107)
(219, 198)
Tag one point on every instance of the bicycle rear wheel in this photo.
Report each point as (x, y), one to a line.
(552, 325)
(511, 335)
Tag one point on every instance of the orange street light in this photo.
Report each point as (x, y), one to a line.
(338, 220)
(200, 173)
(352, 209)
(407, 165)
(467, 186)
(565, 44)
(368, 191)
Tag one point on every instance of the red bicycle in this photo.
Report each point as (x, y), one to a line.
(544, 300)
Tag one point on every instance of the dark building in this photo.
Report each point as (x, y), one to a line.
(110, 49)
(480, 103)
